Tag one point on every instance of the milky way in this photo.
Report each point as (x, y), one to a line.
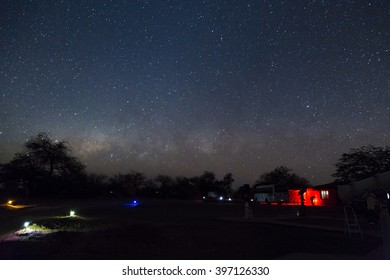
(180, 87)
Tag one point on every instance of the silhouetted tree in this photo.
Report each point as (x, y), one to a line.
(185, 188)
(117, 185)
(207, 182)
(244, 192)
(97, 180)
(282, 175)
(136, 180)
(148, 189)
(361, 163)
(97, 184)
(126, 184)
(166, 185)
(46, 166)
(225, 185)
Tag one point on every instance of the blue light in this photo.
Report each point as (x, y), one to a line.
(133, 203)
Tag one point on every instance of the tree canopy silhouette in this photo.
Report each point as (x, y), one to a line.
(361, 163)
(44, 162)
(226, 184)
(127, 184)
(282, 175)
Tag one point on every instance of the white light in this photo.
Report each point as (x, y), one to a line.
(229, 199)
(221, 198)
(204, 197)
(26, 224)
(388, 195)
(72, 213)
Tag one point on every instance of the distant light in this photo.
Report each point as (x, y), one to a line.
(229, 199)
(26, 224)
(251, 199)
(204, 197)
(72, 213)
(221, 198)
(388, 195)
(10, 202)
(133, 203)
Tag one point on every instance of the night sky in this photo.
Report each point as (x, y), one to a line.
(180, 87)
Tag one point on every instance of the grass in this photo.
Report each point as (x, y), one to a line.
(170, 230)
(68, 223)
(43, 227)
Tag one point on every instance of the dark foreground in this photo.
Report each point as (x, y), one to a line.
(169, 230)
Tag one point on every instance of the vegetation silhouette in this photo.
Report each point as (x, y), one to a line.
(44, 168)
(361, 163)
(282, 175)
(47, 168)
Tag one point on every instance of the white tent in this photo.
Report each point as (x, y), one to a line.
(378, 184)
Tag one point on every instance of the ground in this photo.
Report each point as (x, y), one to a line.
(160, 229)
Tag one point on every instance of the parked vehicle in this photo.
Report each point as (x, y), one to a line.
(271, 193)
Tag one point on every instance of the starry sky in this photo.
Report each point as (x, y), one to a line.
(180, 87)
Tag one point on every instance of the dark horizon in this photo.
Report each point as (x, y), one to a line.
(178, 88)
